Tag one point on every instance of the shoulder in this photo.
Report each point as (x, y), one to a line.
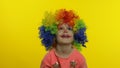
(46, 62)
(79, 56)
(49, 59)
(81, 61)
(48, 56)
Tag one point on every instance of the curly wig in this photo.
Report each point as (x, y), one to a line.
(49, 28)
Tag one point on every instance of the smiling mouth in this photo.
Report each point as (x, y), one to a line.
(65, 36)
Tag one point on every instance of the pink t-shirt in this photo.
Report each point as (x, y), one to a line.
(51, 58)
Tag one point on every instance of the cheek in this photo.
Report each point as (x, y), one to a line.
(58, 35)
(71, 33)
(72, 36)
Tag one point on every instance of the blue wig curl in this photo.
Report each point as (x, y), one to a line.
(47, 37)
(80, 37)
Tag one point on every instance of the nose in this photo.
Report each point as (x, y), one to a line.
(65, 31)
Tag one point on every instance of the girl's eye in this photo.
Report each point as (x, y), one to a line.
(69, 28)
(60, 28)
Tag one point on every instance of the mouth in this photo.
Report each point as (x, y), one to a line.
(65, 36)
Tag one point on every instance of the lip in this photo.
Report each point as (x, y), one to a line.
(65, 36)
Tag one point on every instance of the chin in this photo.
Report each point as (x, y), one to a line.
(66, 42)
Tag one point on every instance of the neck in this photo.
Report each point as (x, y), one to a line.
(64, 49)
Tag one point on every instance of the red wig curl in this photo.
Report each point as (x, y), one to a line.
(67, 17)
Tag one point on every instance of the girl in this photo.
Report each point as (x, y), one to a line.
(63, 34)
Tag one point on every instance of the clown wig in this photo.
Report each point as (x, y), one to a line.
(50, 24)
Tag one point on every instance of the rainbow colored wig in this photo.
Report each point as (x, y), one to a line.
(50, 24)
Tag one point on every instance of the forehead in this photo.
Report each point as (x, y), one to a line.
(63, 25)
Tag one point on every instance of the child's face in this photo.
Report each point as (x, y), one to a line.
(64, 34)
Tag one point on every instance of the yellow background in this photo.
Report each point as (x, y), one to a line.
(20, 46)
